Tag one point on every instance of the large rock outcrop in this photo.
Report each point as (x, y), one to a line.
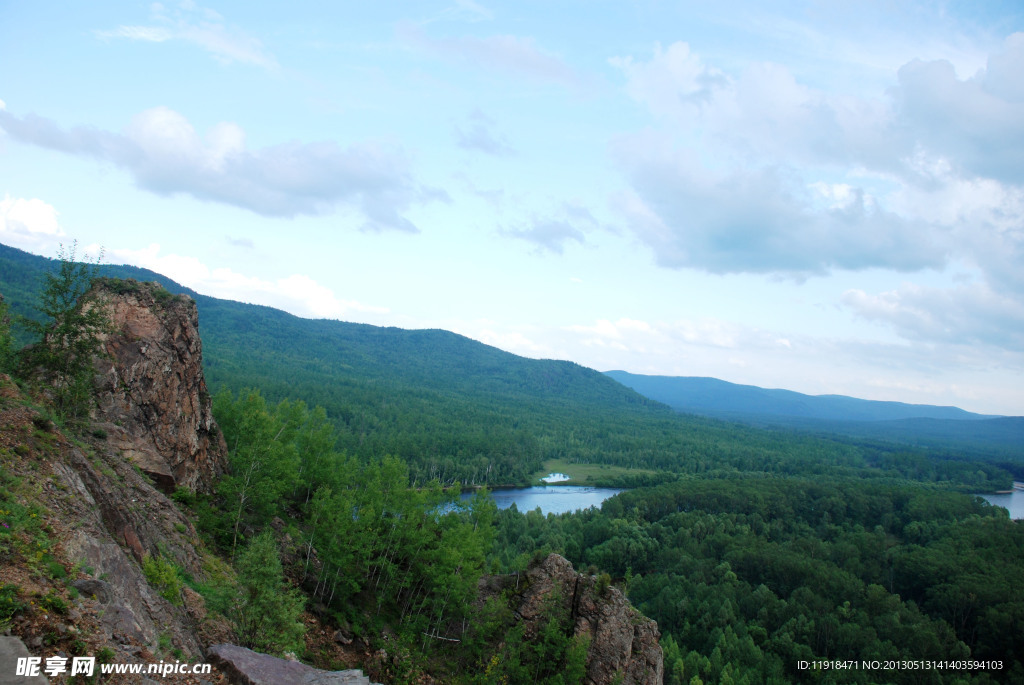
(624, 645)
(246, 667)
(152, 397)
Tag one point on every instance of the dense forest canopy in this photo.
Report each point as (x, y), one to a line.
(749, 574)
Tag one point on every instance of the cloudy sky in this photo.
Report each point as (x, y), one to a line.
(822, 196)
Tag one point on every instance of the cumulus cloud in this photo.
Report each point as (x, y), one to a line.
(761, 220)
(296, 293)
(508, 53)
(753, 171)
(165, 155)
(29, 224)
(976, 124)
(199, 26)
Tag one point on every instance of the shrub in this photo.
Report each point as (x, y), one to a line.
(9, 602)
(163, 576)
(184, 496)
(53, 602)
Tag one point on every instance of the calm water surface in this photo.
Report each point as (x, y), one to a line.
(552, 499)
(1014, 502)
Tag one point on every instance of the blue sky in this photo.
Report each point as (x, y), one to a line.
(821, 196)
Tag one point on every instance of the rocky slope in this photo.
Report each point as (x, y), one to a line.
(623, 643)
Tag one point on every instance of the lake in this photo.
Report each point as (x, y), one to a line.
(1013, 501)
(552, 499)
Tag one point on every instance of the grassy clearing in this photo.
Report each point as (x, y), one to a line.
(585, 474)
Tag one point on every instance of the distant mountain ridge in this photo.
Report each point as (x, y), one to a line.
(920, 425)
(711, 396)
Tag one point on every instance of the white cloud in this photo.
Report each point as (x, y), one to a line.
(673, 83)
(30, 225)
(164, 153)
(198, 26)
(761, 220)
(970, 314)
(297, 293)
(510, 341)
(640, 336)
(751, 170)
(976, 123)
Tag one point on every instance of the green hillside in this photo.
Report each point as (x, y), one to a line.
(458, 410)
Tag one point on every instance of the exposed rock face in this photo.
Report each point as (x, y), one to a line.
(153, 401)
(247, 667)
(623, 642)
(12, 649)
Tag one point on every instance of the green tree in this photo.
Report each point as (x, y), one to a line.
(265, 610)
(262, 457)
(70, 334)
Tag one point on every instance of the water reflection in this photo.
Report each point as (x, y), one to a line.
(552, 499)
(1014, 501)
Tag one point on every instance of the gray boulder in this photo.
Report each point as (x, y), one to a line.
(246, 667)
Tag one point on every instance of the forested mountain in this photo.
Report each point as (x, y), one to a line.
(914, 424)
(458, 410)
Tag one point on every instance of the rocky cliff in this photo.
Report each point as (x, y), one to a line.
(152, 397)
(623, 643)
